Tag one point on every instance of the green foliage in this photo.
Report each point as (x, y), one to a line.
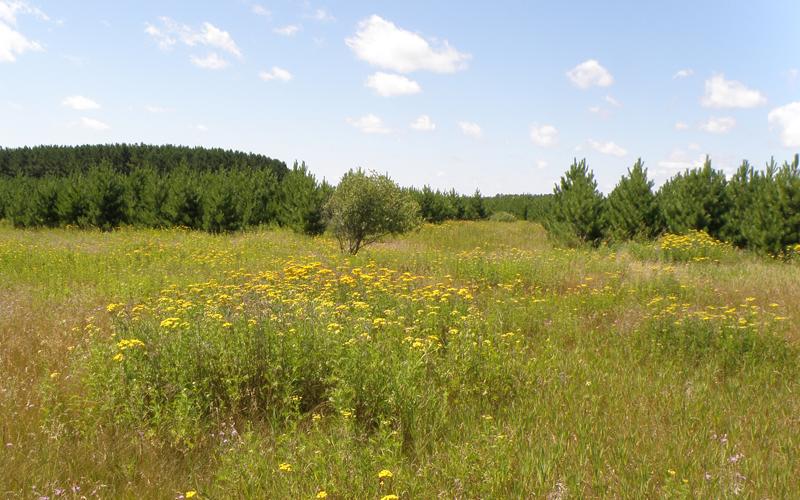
(632, 211)
(365, 208)
(107, 198)
(532, 207)
(502, 217)
(696, 199)
(578, 207)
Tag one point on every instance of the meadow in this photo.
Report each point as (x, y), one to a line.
(463, 360)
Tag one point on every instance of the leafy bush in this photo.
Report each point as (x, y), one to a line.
(365, 208)
(502, 217)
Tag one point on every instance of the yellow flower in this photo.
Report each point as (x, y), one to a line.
(671, 472)
(54, 375)
(390, 497)
(284, 467)
(118, 357)
(190, 494)
(322, 494)
(384, 474)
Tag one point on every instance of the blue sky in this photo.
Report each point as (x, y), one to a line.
(492, 95)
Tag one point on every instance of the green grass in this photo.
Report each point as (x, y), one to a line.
(496, 366)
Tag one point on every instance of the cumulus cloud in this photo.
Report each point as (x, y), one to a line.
(289, 30)
(211, 61)
(590, 73)
(681, 126)
(544, 135)
(787, 118)
(541, 164)
(683, 73)
(381, 43)
(423, 124)
(169, 33)
(93, 124)
(608, 148)
(722, 93)
(718, 125)
(12, 42)
(79, 103)
(471, 129)
(387, 84)
(275, 73)
(369, 124)
(613, 101)
(678, 161)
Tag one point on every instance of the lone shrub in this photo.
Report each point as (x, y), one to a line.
(366, 207)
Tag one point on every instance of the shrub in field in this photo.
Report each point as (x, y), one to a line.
(577, 210)
(502, 217)
(631, 209)
(366, 207)
(695, 200)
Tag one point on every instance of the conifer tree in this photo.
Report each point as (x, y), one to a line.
(578, 206)
(632, 211)
(696, 199)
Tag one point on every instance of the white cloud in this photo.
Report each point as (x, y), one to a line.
(595, 109)
(678, 161)
(423, 124)
(369, 124)
(387, 84)
(590, 73)
(289, 30)
(171, 32)
(718, 125)
(541, 164)
(613, 101)
(608, 148)
(788, 119)
(380, 43)
(93, 124)
(722, 93)
(683, 73)
(79, 103)
(544, 135)
(156, 109)
(12, 42)
(260, 10)
(681, 126)
(322, 15)
(211, 61)
(471, 129)
(11, 8)
(275, 73)
(201, 128)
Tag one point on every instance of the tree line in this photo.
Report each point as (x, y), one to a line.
(756, 209)
(107, 186)
(156, 186)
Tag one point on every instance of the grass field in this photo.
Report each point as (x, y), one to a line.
(467, 360)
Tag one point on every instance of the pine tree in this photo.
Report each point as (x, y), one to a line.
(696, 199)
(578, 207)
(107, 197)
(632, 211)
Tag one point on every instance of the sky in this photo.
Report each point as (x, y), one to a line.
(498, 96)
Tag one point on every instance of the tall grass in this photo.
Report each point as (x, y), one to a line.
(467, 359)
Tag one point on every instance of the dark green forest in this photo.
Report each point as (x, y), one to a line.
(107, 186)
